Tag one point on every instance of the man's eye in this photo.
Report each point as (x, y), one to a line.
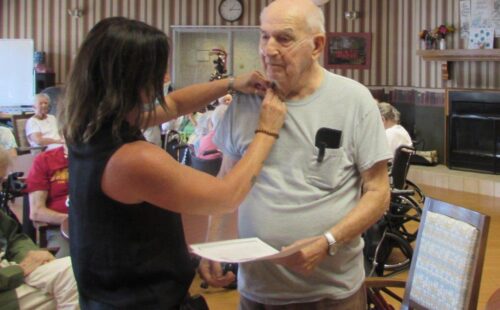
(284, 40)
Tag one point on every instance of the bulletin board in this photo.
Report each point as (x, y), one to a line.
(16, 72)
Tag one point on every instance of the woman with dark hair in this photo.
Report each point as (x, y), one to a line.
(126, 238)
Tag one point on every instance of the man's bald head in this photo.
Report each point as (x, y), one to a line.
(304, 10)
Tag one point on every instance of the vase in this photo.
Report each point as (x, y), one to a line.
(429, 45)
(442, 44)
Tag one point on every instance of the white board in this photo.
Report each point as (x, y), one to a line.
(16, 72)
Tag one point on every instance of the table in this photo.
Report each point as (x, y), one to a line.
(494, 301)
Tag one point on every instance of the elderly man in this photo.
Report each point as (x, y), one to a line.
(31, 278)
(325, 181)
(41, 128)
(48, 192)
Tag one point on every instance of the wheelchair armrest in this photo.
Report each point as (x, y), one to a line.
(181, 146)
(402, 192)
(210, 152)
(379, 282)
(27, 149)
(52, 250)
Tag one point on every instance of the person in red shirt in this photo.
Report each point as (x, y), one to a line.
(47, 185)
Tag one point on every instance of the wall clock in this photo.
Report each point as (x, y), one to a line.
(231, 10)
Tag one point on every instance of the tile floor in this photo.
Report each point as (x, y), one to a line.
(457, 180)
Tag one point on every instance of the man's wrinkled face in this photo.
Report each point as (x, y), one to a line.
(285, 49)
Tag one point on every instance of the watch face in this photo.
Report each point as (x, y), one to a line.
(230, 10)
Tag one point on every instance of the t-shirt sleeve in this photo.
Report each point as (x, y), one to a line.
(370, 138)
(38, 179)
(224, 132)
(7, 139)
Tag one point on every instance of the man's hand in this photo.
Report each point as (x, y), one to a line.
(34, 259)
(211, 272)
(306, 259)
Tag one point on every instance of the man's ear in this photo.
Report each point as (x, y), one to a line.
(319, 41)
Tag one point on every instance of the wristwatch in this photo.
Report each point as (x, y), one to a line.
(332, 243)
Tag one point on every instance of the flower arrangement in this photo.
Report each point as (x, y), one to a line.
(443, 30)
(431, 36)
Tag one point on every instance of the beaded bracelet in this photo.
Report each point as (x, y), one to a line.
(230, 85)
(269, 133)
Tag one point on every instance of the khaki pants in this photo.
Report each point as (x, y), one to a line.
(50, 286)
(357, 301)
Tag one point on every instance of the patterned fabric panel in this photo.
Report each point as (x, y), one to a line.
(444, 263)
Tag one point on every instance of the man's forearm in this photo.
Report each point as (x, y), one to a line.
(372, 205)
(368, 211)
(46, 215)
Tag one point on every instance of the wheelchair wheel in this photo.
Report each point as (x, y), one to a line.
(393, 255)
(404, 217)
(419, 195)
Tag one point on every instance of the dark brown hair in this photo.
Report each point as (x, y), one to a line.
(118, 60)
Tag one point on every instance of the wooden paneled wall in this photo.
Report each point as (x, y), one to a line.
(394, 25)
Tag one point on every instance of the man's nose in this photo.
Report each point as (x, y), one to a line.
(269, 48)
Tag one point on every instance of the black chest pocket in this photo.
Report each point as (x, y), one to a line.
(330, 173)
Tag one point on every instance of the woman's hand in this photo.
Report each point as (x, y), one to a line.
(272, 112)
(252, 83)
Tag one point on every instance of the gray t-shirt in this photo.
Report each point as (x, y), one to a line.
(295, 196)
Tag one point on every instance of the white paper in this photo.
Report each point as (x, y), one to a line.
(243, 250)
(480, 38)
(485, 14)
(464, 18)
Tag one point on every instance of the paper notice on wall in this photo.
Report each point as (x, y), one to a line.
(496, 17)
(464, 18)
(480, 38)
(485, 14)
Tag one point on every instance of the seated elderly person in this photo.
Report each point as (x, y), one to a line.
(31, 278)
(396, 134)
(47, 185)
(41, 128)
(7, 141)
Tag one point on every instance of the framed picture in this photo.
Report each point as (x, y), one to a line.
(348, 50)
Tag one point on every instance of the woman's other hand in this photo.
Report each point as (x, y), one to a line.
(272, 112)
(252, 83)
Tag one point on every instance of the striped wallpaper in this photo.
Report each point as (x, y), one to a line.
(394, 25)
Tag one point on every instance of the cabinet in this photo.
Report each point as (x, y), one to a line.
(44, 80)
(452, 55)
(473, 130)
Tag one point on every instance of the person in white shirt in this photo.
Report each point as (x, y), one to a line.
(7, 141)
(41, 128)
(396, 134)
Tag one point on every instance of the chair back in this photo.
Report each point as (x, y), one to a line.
(19, 126)
(447, 265)
(400, 166)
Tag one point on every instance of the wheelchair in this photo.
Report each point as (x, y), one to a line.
(12, 187)
(388, 248)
